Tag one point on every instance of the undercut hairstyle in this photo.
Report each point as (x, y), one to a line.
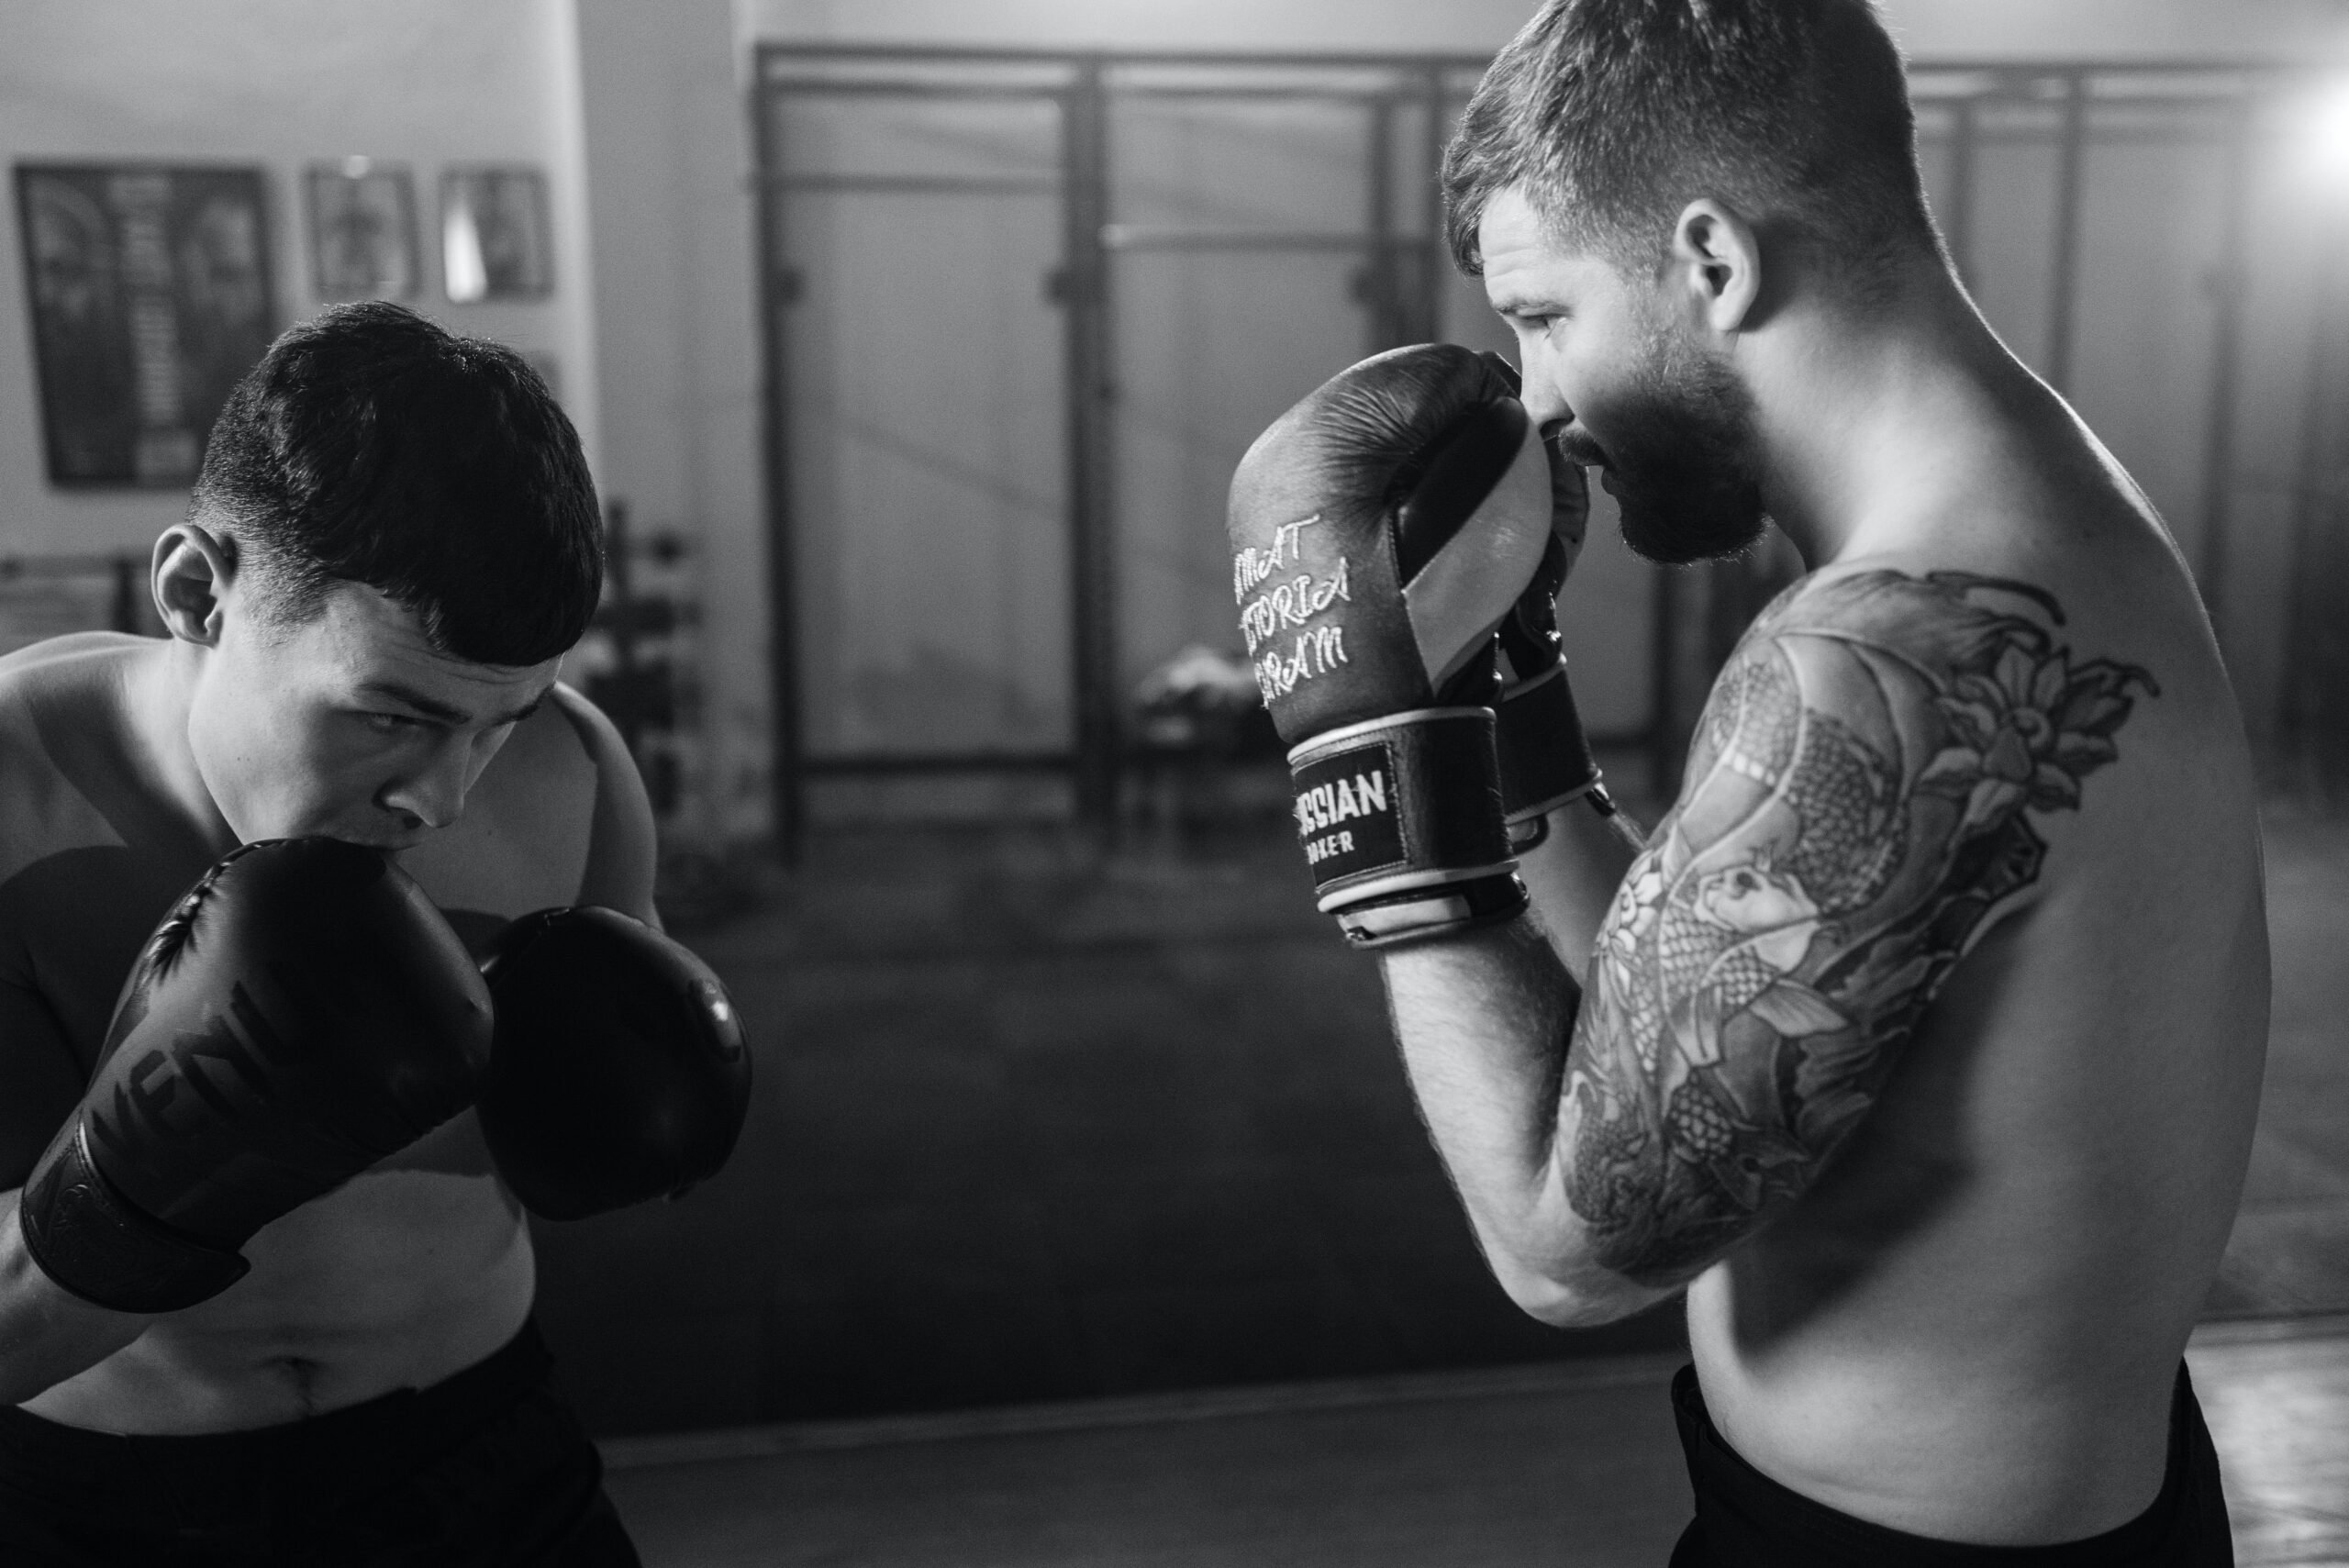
(1614, 114)
(371, 446)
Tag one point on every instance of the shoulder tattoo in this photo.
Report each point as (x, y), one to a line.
(1858, 807)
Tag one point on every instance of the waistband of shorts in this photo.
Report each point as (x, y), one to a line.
(456, 1403)
(1726, 1481)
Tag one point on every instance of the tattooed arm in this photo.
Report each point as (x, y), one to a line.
(1572, 875)
(1858, 812)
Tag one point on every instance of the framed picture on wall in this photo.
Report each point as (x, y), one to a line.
(362, 230)
(149, 288)
(495, 240)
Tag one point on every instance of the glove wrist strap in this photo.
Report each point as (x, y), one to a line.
(99, 1246)
(1545, 758)
(1406, 810)
(1438, 911)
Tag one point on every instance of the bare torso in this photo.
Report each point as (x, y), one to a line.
(407, 1274)
(1970, 1325)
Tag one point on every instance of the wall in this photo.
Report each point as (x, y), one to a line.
(2011, 29)
(2151, 238)
(2115, 29)
(283, 84)
(636, 110)
(668, 166)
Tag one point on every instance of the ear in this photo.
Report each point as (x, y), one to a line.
(193, 572)
(1720, 262)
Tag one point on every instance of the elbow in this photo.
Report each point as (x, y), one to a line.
(1571, 1298)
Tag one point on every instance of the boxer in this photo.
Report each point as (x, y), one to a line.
(1920, 1042)
(265, 1284)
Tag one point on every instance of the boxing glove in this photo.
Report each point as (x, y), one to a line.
(1381, 529)
(303, 1012)
(1545, 756)
(619, 1074)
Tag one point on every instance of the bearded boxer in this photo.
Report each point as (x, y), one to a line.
(265, 1292)
(1920, 1044)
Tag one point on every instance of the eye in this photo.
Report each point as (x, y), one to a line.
(389, 723)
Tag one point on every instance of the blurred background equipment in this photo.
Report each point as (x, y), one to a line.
(1152, 257)
(1202, 747)
(1024, 310)
(49, 595)
(636, 661)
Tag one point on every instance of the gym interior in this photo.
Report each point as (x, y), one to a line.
(1084, 1214)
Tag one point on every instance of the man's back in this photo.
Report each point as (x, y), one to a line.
(1969, 1326)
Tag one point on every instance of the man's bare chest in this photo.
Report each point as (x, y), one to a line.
(72, 924)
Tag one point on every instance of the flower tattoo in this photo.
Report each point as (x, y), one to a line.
(1857, 813)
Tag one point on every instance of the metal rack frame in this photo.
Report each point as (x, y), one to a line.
(1403, 305)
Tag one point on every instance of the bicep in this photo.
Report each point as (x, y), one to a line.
(1858, 814)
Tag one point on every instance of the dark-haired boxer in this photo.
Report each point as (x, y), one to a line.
(1921, 1043)
(247, 1313)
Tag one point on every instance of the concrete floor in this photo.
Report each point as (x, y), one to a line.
(1036, 1125)
(1033, 1127)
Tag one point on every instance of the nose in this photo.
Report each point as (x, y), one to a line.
(435, 793)
(1544, 403)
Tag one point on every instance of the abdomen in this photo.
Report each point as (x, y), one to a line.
(398, 1279)
(1970, 1327)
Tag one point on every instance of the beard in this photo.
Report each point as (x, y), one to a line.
(1681, 461)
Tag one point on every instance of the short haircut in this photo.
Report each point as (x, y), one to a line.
(1614, 114)
(371, 446)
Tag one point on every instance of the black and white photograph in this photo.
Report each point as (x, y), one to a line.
(148, 290)
(495, 243)
(1315, 783)
(362, 230)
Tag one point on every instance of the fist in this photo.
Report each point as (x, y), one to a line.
(1381, 529)
(621, 1074)
(1569, 509)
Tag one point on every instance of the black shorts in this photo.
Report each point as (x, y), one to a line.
(487, 1467)
(1746, 1519)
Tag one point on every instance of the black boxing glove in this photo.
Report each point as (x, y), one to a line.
(302, 1013)
(620, 1071)
(1545, 756)
(1546, 760)
(1381, 529)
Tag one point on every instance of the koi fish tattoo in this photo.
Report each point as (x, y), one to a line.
(1858, 810)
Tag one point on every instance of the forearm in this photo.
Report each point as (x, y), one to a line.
(47, 1334)
(1571, 877)
(1484, 1021)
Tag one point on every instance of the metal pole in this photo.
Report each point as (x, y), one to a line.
(2226, 374)
(1379, 284)
(2071, 154)
(787, 789)
(2314, 508)
(1092, 572)
(1433, 257)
